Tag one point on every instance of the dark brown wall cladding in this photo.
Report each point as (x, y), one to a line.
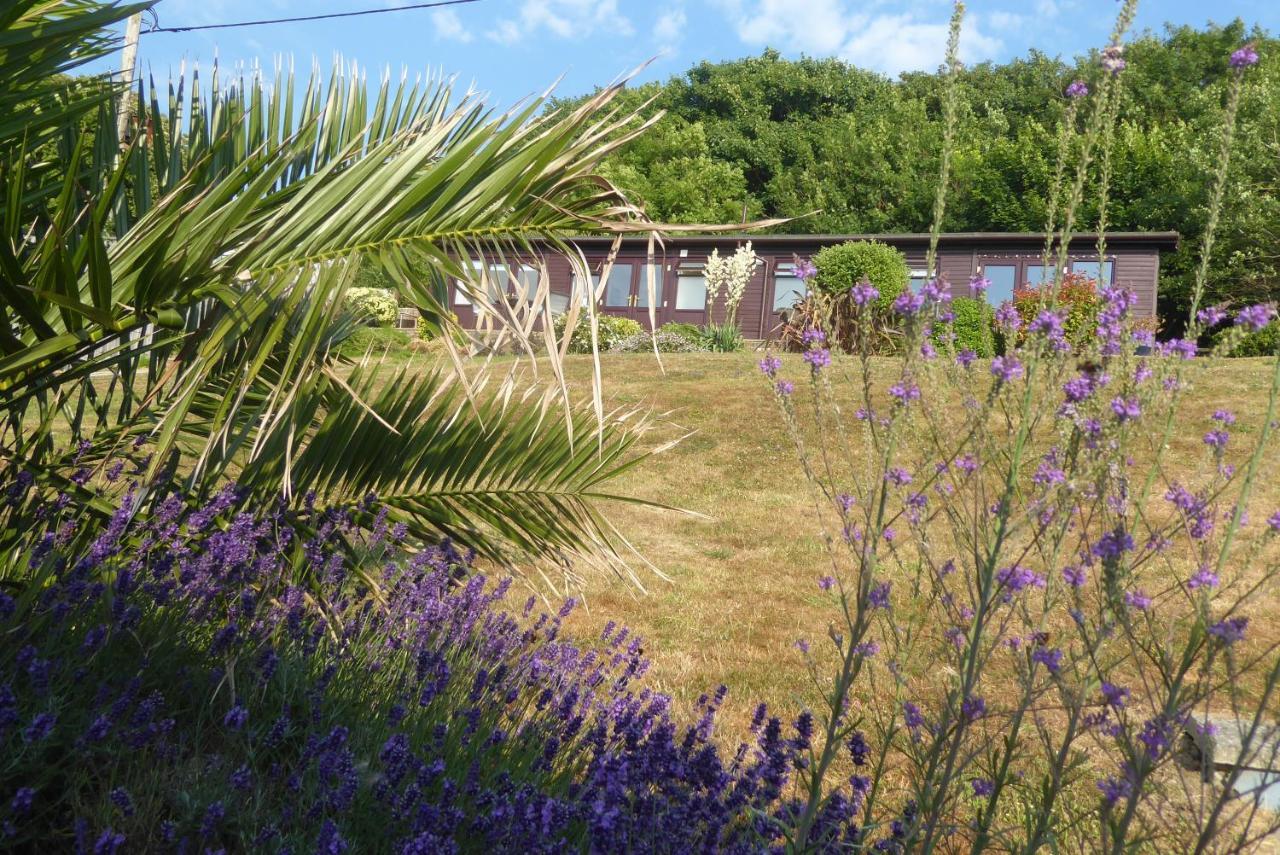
(1133, 259)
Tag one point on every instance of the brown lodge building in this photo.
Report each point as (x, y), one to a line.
(1133, 260)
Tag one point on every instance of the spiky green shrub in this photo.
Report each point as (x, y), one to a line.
(722, 338)
(844, 265)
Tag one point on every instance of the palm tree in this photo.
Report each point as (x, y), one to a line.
(183, 288)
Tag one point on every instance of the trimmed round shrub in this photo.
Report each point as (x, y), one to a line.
(1264, 342)
(611, 331)
(376, 306)
(972, 327)
(844, 265)
(667, 342)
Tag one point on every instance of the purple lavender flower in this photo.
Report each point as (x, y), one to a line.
(1049, 657)
(769, 366)
(979, 284)
(1114, 790)
(864, 293)
(813, 337)
(1226, 417)
(22, 801)
(1274, 522)
(236, 717)
(1137, 600)
(898, 476)
(878, 598)
(1113, 544)
(911, 716)
(784, 387)
(1017, 578)
(1074, 576)
(1114, 696)
(1203, 578)
(1230, 630)
(802, 645)
(40, 727)
(1077, 89)
(805, 269)
(1255, 317)
(973, 708)
(1244, 57)
(826, 583)
(1006, 368)
(965, 358)
(982, 787)
(121, 799)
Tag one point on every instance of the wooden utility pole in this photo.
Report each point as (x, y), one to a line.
(127, 62)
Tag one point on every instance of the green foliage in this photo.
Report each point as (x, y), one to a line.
(843, 150)
(842, 266)
(376, 341)
(722, 338)
(689, 331)
(972, 327)
(374, 306)
(1264, 342)
(610, 331)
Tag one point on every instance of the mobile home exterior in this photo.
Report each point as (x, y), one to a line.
(1006, 259)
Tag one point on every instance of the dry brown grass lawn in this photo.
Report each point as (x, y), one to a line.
(742, 575)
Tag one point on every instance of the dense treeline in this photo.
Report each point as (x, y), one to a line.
(768, 136)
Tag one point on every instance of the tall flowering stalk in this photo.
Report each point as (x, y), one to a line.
(1037, 606)
(730, 276)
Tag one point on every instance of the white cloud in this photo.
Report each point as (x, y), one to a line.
(566, 19)
(1006, 20)
(669, 27)
(449, 26)
(889, 43)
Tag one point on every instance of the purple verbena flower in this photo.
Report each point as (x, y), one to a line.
(1255, 317)
(864, 293)
(1006, 368)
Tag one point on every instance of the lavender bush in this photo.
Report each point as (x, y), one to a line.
(1039, 605)
(173, 687)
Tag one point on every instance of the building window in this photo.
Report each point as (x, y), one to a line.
(1091, 269)
(691, 290)
(1002, 278)
(918, 278)
(788, 289)
(642, 288)
(1037, 274)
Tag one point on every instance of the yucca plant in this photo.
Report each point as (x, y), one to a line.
(183, 287)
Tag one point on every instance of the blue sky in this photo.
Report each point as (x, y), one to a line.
(512, 48)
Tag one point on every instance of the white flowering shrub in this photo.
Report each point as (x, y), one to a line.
(377, 306)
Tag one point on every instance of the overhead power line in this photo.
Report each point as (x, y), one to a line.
(354, 14)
